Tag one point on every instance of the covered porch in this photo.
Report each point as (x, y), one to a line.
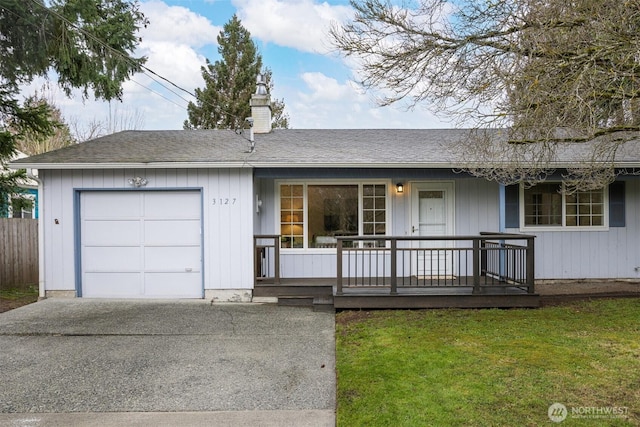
(487, 270)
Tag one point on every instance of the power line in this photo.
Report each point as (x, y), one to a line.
(159, 94)
(145, 69)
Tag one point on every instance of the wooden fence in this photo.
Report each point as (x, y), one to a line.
(18, 252)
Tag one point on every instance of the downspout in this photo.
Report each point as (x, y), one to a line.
(41, 262)
(502, 210)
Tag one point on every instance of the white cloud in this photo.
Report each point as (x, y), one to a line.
(302, 25)
(177, 25)
(325, 88)
(170, 43)
(326, 103)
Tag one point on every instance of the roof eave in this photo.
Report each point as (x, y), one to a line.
(128, 165)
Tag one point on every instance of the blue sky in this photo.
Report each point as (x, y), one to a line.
(317, 85)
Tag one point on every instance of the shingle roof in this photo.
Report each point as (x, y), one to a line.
(280, 148)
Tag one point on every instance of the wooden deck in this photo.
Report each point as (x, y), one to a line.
(323, 291)
(487, 270)
(440, 297)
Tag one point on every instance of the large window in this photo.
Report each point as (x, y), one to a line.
(546, 206)
(314, 215)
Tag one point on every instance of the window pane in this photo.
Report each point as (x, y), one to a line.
(332, 212)
(374, 205)
(543, 205)
(589, 207)
(291, 216)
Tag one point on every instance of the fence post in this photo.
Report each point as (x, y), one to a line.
(531, 277)
(476, 265)
(394, 267)
(339, 268)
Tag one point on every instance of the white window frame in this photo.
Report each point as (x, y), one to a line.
(307, 183)
(563, 226)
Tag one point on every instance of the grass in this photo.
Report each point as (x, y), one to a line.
(15, 293)
(15, 297)
(489, 367)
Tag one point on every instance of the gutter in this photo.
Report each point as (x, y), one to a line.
(248, 164)
(41, 261)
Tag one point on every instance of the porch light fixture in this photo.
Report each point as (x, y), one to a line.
(400, 187)
(138, 182)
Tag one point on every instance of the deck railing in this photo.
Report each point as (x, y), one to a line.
(487, 260)
(267, 258)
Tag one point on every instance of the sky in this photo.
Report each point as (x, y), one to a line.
(317, 84)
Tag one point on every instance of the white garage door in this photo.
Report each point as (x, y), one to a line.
(141, 244)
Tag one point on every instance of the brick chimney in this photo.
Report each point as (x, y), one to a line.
(261, 107)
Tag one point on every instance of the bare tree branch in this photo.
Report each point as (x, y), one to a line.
(548, 72)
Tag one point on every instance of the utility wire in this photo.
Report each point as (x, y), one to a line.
(128, 59)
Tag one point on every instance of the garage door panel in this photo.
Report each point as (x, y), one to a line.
(111, 233)
(116, 259)
(177, 285)
(172, 259)
(141, 244)
(171, 232)
(114, 204)
(112, 285)
(180, 205)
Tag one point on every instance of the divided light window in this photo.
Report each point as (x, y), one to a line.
(314, 215)
(546, 205)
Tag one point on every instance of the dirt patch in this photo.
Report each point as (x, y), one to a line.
(587, 287)
(7, 304)
(351, 316)
(562, 292)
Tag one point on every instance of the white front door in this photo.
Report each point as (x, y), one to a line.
(433, 216)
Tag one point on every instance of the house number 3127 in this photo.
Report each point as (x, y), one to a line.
(224, 201)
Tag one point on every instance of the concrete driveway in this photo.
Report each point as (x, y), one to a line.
(97, 362)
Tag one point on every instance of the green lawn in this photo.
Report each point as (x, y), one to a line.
(15, 297)
(490, 367)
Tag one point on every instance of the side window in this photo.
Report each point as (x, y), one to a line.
(292, 216)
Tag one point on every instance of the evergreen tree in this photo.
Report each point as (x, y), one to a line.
(32, 143)
(223, 103)
(87, 43)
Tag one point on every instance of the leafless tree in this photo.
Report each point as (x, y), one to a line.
(116, 121)
(544, 76)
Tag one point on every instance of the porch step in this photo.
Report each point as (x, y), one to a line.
(293, 290)
(295, 300)
(318, 303)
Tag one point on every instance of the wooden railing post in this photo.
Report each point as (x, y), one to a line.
(476, 265)
(276, 260)
(394, 267)
(339, 267)
(531, 277)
